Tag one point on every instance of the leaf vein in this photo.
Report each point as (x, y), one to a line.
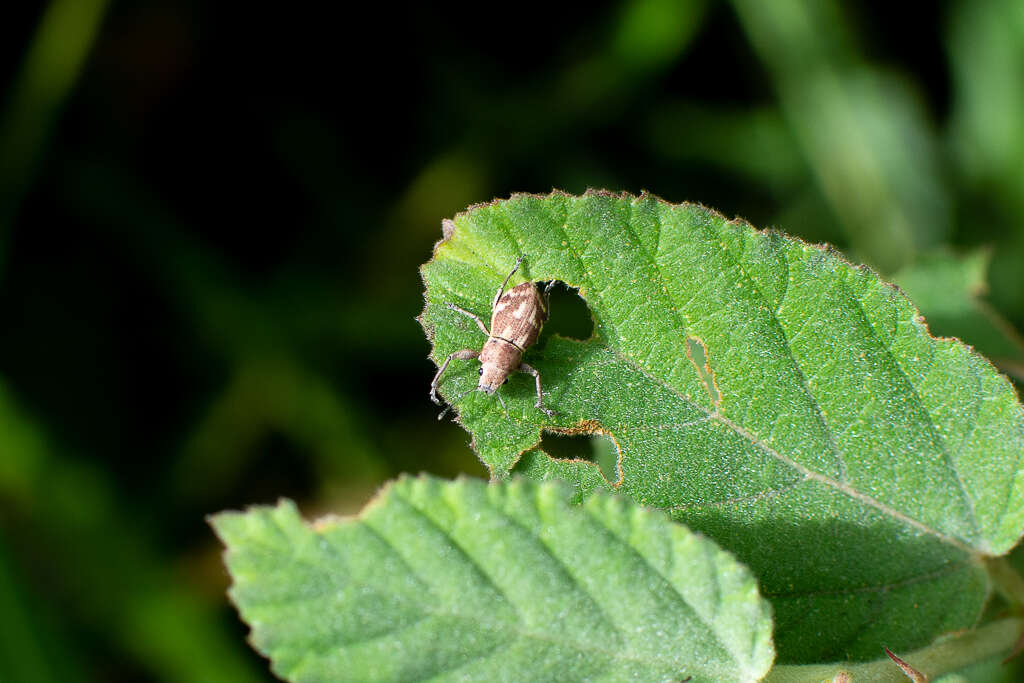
(819, 414)
(1016, 468)
(514, 626)
(752, 498)
(463, 553)
(949, 568)
(665, 293)
(565, 568)
(807, 472)
(936, 436)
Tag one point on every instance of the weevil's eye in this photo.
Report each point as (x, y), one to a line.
(480, 371)
(506, 381)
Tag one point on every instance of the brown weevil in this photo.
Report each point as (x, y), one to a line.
(517, 317)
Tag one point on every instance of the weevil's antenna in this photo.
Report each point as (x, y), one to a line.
(457, 399)
(502, 402)
(462, 396)
(547, 294)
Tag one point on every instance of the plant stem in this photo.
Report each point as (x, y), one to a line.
(948, 654)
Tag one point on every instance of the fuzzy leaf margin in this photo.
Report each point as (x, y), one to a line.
(765, 391)
(505, 582)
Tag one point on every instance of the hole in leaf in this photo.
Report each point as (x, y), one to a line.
(569, 315)
(596, 448)
(698, 354)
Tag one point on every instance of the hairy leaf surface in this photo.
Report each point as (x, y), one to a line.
(509, 582)
(790, 405)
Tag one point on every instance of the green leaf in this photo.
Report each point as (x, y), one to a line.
(763, 390)
(948, 288)
(977, 654)
(464, 581)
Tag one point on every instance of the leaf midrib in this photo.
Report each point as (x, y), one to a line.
(834, 447)
(941, 572)
(842, 487)
(757, 441)
(802, 469)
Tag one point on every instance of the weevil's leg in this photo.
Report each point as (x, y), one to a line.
(530, 370)
(501, 290)
(464, 354)
(479, 322)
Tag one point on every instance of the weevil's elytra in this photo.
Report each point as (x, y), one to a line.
(516, 322)
(517, 317)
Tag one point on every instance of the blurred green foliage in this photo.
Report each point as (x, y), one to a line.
(211, 218)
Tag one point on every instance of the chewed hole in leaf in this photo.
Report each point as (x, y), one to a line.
(773, 396)
(698, 354)
(569, 314)
(597, 447)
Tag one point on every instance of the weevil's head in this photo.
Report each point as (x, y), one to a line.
(498, 359)
(491, 377)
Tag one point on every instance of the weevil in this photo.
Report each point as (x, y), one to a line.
(517, 317)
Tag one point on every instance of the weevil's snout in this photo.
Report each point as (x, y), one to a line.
(491, 378)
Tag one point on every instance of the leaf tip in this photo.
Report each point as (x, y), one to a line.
(229, 525)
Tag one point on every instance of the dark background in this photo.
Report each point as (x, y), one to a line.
(212, 214)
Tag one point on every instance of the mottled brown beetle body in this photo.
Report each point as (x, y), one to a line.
(517, 317)
(516, 322)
